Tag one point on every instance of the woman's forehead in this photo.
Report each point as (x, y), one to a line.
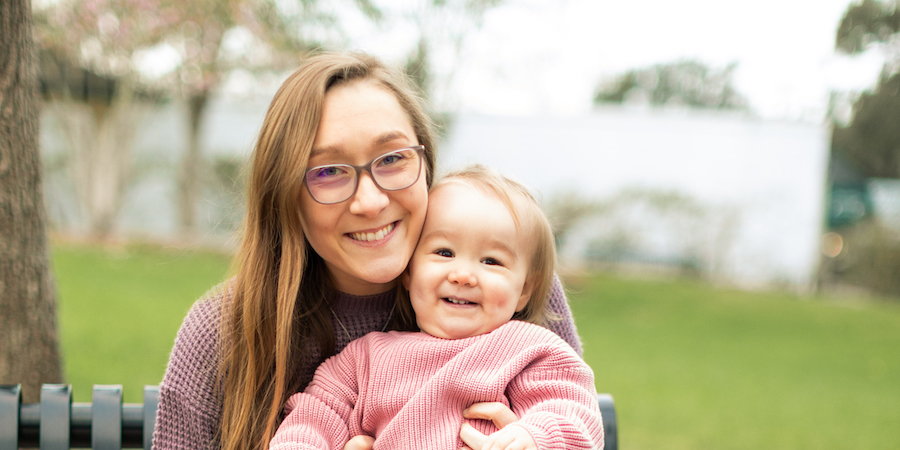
(360, 117)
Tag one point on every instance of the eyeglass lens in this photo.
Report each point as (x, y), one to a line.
(337, 182)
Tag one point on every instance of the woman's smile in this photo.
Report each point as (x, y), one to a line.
(369, 236)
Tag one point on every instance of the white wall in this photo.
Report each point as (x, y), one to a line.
(768, 176)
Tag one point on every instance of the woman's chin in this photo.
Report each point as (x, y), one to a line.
(383, 270)
(377, 281)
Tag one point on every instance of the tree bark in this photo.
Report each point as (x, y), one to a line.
(29, 349)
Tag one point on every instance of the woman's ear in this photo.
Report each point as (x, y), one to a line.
(527, 289)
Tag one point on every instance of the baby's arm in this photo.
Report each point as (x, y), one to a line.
(556, 402)
(555, 397)
(558, 409)
(318, 417)
(311, 424)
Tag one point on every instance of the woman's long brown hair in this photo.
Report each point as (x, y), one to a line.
(279, 303)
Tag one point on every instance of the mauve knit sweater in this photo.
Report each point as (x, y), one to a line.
(408, 390)
(189, 410)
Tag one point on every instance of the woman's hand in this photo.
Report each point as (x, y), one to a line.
(361, 442)
(509, 438)
(496, 412)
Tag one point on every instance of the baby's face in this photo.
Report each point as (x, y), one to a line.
(468, 274)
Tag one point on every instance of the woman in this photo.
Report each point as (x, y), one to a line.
(331, 223)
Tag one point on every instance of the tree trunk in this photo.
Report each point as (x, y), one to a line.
(191, 168)
(100, 138)
(29, 350)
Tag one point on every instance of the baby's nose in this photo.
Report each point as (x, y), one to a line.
(463, 276)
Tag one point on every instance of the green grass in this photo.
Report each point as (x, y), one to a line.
(690, 366)
(119, 311)
(693, 367)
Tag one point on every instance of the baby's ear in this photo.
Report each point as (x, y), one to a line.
(405, 278)
(527, 289)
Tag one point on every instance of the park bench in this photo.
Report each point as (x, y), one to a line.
(107, 424)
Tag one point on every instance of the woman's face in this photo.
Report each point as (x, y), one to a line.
(366, 240)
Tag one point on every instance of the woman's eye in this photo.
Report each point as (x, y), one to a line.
(390, 159)
(327, 172)
(444, 252)
(492, 262)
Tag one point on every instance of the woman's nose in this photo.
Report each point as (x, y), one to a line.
(369, 199)
(462, 276)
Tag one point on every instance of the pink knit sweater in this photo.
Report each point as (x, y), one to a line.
(189, 409)
(408, 390)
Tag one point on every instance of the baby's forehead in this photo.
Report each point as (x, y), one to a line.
(456, 191)
(460, 183)
(518, 208)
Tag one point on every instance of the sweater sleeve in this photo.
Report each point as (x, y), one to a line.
(559, 306)
(189, 412)
(319, 417)
(556, 402)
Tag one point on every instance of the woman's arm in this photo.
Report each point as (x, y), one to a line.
(559, 306)
(189, 411)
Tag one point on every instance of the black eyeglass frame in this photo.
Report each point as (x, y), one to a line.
(419, 149)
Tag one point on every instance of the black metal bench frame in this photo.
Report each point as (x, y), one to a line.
(107, 424)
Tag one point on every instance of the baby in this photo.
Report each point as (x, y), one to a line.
(479, 275)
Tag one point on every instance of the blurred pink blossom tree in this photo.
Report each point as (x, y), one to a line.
(110, 37)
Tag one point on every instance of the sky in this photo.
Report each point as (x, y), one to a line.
(533, 57)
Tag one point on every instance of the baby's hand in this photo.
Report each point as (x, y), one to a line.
(508, 438)
(361, 442)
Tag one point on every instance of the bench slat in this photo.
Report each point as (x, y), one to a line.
(610, 428)
(148, 409)
(106, 417)
(10, 404)
(56, 416)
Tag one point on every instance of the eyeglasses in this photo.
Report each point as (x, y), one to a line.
(392, 171)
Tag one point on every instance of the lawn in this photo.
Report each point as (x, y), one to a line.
(119, 310)
(690, 366)
(694, 367)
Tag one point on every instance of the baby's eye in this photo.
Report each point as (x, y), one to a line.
(444, 252)
(491, 262)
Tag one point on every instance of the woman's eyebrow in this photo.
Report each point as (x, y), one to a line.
(382, 139)
(317, 151)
